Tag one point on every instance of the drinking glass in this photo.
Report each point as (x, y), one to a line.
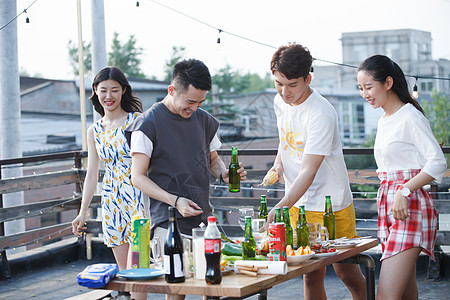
(259, 229)
(156, 257)
(315, 233)
(188, 258)
(244, 212)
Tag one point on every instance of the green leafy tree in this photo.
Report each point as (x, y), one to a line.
(177, 55)
(126, 57)
(87, 58)
(437, 112)
(224, 78)
(230, 81)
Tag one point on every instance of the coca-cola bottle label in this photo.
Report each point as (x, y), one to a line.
(212, 246)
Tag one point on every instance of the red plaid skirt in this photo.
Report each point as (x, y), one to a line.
(419, 230)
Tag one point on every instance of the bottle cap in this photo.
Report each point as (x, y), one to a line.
(211, 219)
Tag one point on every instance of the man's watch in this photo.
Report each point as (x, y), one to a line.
(404, 191)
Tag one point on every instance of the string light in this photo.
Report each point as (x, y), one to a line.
(270, 46)
(235, 35)
(218, 39)
(27, 20)
(415, 93)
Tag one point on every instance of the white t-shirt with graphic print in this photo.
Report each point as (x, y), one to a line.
(312, 128)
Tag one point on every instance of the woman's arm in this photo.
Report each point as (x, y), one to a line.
(90, 184)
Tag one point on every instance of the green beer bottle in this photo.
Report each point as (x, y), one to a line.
(248, 244)
(287, 222)
(328, 218)
(278, 218)
(302, 229)
(234, 177)
(263, 208)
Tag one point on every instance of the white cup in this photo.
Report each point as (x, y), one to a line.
(198, 246)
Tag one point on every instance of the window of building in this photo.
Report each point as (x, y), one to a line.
(393, 51)
(360, 52)
(426, 86)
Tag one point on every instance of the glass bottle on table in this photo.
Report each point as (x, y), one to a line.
(278, 218)
(302, 228)
(173, 251)
(234, 178)
(287, 222)
(248, 244)
(328, 218)
(263, 213)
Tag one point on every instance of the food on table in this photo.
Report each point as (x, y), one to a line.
(232, 259)
(300, 251)
(322, 249)
(232, 249)
(270, 178)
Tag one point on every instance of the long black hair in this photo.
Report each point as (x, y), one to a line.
(129, 103)
(381, 67)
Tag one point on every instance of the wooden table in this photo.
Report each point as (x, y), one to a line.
(239, 285)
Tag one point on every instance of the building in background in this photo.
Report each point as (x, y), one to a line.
(411, 49)
(51, 111)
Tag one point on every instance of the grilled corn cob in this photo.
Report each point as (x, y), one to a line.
(270, 178)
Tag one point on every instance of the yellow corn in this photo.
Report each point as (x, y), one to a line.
(270, 178)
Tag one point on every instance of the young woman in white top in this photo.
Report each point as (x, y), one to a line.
(408, 157)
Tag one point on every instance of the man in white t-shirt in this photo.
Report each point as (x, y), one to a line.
(311, 161)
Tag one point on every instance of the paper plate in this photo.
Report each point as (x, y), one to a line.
(227, 270)
(344, 245)
(328, 254)
(140, 274)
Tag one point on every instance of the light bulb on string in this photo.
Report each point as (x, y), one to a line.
(27, 20)
(218, 39)
(415, 93)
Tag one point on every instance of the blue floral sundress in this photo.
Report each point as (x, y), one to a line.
(120, 200)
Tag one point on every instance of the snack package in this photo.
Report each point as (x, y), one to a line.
(140, 243)
(97, 275)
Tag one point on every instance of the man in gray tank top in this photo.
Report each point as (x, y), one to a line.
(173, 146)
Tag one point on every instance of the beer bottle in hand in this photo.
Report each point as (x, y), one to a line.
(248, 244)
(302, 229)
(173, 251)
(287, 222)
(234, 177)
(278, 218)
(212, 252)
(328, 218)
(263, 213)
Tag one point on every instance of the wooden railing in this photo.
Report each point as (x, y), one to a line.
(73, 178)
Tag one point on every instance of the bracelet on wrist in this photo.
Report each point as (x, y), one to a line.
(175, 203)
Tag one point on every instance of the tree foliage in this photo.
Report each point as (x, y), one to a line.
(87, 57)
(437, 112)
(230, 81)
(177, 55)
(124, 56)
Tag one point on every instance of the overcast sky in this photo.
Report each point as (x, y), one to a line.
(317, 24)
